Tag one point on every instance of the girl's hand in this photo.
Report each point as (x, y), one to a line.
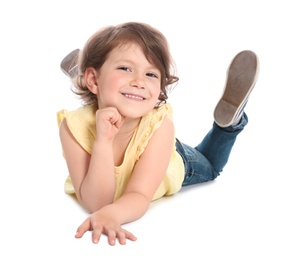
(108, 123)
(100, 224)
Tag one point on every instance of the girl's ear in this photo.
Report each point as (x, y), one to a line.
(90, 77)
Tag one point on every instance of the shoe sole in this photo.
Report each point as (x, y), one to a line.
(69, 64)
(241, 78)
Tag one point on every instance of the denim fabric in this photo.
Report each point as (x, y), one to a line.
(205, 162)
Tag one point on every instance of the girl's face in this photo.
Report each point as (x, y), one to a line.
(128, 82)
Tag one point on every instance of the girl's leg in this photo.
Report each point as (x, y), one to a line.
(218, 143)
(205, 161)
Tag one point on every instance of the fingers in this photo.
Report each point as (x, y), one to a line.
(130, 236)
(85, 226)
(120, 121)
(111, 237)
(110, 114)
(108, 123)
(121, 235)
(113, 233)
(96, 235)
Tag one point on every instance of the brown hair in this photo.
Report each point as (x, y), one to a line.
(103, 41)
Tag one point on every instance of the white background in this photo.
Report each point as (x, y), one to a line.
(249, 212)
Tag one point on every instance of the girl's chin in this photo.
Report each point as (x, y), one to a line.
(134, 113)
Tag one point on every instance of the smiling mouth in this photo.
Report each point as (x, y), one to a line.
(130, 96)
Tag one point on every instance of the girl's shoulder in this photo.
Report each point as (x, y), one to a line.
(82, 124)
(148, 125)
(160, 112)
(152, 121)
(85, 113)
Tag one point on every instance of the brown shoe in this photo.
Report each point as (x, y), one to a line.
(69, 64)
(241, 78)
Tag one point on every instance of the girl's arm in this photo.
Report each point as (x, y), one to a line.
(93, 175)
(145, 180)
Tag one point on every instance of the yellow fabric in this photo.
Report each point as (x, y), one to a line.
(81, 123)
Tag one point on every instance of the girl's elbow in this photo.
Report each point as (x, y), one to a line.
(95, 206)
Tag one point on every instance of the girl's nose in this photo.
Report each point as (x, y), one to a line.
(137, 81)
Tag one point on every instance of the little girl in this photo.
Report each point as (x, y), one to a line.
(120, 146)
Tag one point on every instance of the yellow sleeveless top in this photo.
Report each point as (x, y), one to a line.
(81, 123)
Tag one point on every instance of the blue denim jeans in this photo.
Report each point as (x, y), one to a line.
(205, 162)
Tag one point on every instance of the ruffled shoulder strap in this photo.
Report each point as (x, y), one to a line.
(82, 125)
(149, 124)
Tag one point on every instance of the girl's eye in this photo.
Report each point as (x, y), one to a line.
(153, 75)
(124, 68)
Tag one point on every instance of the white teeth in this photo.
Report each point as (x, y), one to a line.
(134, 97)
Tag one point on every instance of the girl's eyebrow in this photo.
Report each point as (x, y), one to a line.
(151, 67)
(125, 60)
